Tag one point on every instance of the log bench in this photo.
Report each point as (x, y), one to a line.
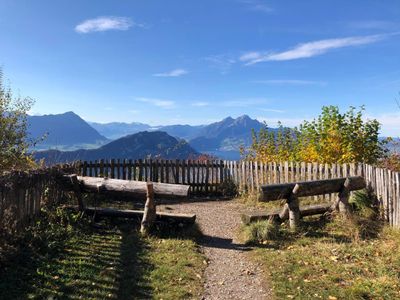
(292, 191)
(147, 191)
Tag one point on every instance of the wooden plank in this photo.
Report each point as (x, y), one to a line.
(310, 188)
(130, 188)
(128, 213)
(101, 168)
(129, 169)
(309, 210)
(112, 168)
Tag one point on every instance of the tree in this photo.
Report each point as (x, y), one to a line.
(14, 144)
(333, 137)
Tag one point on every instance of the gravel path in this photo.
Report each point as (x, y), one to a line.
(230, 273)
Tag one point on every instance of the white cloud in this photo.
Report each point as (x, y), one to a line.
(290, 82)
(104, 24)
(200, 104)
(173, 73)
(310, 49)
(166, 104)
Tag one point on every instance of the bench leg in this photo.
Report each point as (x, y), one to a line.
(294, 213)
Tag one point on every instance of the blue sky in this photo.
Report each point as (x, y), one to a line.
(167, 62)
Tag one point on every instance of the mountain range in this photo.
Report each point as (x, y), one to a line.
(144, 144)
(68, 131)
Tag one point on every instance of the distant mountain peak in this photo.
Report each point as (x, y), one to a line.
(227, 119)
(243, 117)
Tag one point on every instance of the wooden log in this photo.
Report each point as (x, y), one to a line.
(132, 214)
(310, 188)
(294, 210)
(343, 198)
(149, 214)
(309, 210)
(131, 188)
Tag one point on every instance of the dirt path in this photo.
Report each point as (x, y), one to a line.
(230, 274)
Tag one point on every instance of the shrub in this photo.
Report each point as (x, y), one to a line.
(228, 188)
(13, 130)
(260, 231)
(333, 137)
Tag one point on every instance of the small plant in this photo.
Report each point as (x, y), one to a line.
(260, 231)
(228, 188)
(364, 203)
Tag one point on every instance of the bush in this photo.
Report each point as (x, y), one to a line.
(364, 203)
(260, 231)
(13, 130)
(228, 188)
(333, 137)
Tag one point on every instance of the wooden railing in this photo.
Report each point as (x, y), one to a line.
(205, 177)
(22, 193)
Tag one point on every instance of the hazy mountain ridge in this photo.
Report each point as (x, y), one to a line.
(70, 132)
(144, 144)
(115, 130)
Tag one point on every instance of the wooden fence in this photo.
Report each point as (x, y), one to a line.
(23, 194)
(205, 177)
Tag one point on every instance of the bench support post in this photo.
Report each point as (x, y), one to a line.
(343, 198)
(149, 214)
(294, 210)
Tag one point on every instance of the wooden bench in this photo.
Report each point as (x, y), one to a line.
(136, 189)
(292, 191)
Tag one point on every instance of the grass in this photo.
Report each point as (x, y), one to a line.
(329, 257)
(60, 259)
(332, 260)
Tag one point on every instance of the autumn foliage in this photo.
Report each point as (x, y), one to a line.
(333, 137)
(14, 153)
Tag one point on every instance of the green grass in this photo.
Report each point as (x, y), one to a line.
(333, 259)
(107, 260)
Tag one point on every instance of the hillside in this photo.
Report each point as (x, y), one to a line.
(63, 131)
(144, 144)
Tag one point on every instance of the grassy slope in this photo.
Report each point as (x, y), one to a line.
(109, 261)
(329, 261)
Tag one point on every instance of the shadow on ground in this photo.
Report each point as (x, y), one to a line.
(107, 261)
